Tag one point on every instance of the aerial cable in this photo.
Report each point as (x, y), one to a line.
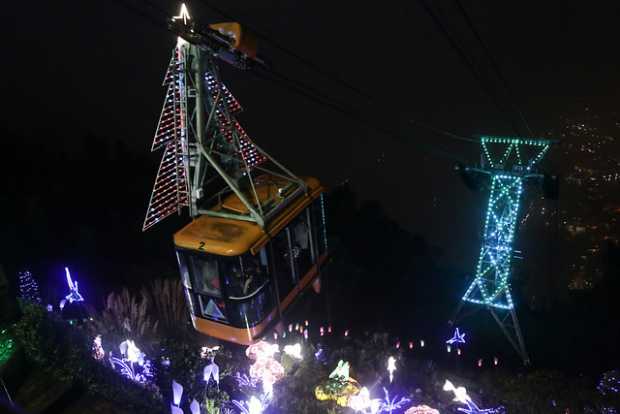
(327, 74)
(312, 93)
(262, 36)
(466, 61)
(494, 63)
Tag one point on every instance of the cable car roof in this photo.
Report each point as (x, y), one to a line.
(230, 237)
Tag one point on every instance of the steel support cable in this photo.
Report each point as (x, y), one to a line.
(494, 64)
(353, 115)
(260, 35)
(465, 59)
(312, 93)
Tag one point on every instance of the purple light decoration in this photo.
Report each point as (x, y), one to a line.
(458, 338)
(177, 392)
(609, 383)
(194, 407)
(388, 405)
(74, 293)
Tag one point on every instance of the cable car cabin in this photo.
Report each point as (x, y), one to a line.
(237, 274)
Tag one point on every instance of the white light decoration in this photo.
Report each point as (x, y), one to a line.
(183, 14)
(391, 367)
(209, 352)
(362, 403)
(495, 361)
(421, 409)
(130, 351)
(448, 348)
(293, 350)
(74, 293)
(265, 368)
(97, 349)
(422, 344)
(211, 370)
(460, 393)
(253, 406)
(194, 407)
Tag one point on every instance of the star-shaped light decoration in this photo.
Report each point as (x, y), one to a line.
(458, 338)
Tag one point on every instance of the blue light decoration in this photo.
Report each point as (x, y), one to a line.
(458, 338)
(74, 293)
(389, 405)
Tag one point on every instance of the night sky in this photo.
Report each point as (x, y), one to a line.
(78, 67)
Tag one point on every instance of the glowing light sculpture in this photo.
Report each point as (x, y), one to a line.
(265, 368)
(293, 350)
(132, 364)
(362, 403)
(339, 386)
(253, 406)
(389, 405)
(460, 395)
(97, 349)
(458, 338)
(7, 346)
(391, 367)
(509, 162)
(74, 293)
(421, 409)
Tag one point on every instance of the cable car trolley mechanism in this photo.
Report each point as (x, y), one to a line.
(257, 236)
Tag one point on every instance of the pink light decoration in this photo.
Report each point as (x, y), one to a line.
(495, 361)
(321, 331)
(421, 409)
(306, 322)
(329, 329)
(410, 345)
(306, 334)
(346, 333)
(397, 344)
(480, 363)
(458, 351)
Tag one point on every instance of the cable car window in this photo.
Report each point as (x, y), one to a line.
(183, 269)
(301, 245)
(204, 270)
(283, 263)
(245, 276)
(213, 308)
(249, 312)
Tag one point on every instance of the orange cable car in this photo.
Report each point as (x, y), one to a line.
(239, 277)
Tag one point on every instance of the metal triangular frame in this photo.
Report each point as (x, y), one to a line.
(198, 124)
(490, 287)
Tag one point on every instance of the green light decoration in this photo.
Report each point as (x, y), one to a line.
(7, 346)
(509, 162)
(491, 285)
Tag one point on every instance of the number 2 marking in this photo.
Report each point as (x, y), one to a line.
(201, 245)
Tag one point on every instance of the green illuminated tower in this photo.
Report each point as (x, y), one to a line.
(509, 163)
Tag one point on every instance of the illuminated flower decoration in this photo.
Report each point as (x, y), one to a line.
(269, 371)
(391, 367)
(293, 351)
(460, 395)
(211, 370)
(421, 409)
(209, 352)
(253, 406)
(97, 349)
(265, 368)
(261, 349)
(362, 403)
(338, 387)
(389, 405)
(132, 363)
(130, 351)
